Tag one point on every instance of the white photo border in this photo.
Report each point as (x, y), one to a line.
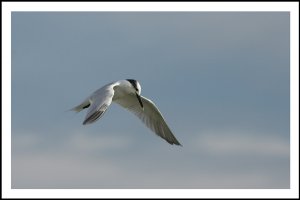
(8, 7)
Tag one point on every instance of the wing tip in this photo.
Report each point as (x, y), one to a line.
(178, 144)
(174, 142)
(85, 122)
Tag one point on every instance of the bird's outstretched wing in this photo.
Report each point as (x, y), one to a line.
(150, 116)
(97, 104)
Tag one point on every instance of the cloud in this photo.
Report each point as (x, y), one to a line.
(87, 160)
(91, 142)
(76, 160)
(240, 142)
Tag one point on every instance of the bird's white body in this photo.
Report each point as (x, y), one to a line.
(123, 88)
(126, 93)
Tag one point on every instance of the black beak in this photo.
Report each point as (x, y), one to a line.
(140, 100)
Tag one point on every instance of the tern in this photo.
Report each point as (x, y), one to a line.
(126, 93)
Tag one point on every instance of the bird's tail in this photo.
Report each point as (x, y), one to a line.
(81, 106)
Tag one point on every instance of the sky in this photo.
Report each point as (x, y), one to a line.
(220, 79)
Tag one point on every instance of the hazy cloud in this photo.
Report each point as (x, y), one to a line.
(83, 160)
(238, 143)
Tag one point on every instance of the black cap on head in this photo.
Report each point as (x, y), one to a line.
(133, 83)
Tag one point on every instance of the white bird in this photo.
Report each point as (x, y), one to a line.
(126, 93)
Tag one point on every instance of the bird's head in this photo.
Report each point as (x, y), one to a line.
(137, 90)
(135, 85)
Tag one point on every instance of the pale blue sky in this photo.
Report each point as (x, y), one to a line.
(220, 79)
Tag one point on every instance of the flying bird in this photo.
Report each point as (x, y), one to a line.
(126, 93)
